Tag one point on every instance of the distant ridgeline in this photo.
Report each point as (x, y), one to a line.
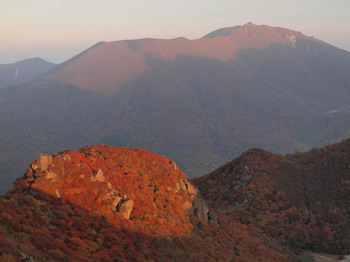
(199, 102)
(23, 71)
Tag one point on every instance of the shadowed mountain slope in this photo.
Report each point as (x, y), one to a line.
(301, 198)
(23, 71)
(199, 102)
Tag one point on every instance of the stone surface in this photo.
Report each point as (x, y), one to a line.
(126, 208)
(99, 176)
(244, 180)
(201, 210)
(51, 175)
(44, 161)
(58, 193)
(66, 157)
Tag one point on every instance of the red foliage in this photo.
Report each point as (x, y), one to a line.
(71, 215)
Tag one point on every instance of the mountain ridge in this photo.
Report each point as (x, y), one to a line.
(113, 54)
(188, 101)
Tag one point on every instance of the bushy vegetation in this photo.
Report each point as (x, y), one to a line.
(301, 199)
(79, 223)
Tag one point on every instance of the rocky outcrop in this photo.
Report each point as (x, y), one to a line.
(125, 207)
(44, 161)
(122, 184)
(98, 176)
(244, 179)
(200, 209)
(197, 206)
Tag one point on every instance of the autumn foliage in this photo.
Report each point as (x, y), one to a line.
(269, 207)
(64, 209)
(301, 199)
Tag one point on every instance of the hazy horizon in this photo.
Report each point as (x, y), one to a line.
(59, 29)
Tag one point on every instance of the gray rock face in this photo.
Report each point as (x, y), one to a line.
(29, 259)
(198, 207)
(243, 199)
(201, 210)
(244, 180)
(212, 218)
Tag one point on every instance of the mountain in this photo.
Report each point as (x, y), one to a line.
(23, 71)
(200, 102)
(117, 204)
(105, 203)
(109, 67)
(302, 199)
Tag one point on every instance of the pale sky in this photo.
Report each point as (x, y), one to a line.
(56, 30)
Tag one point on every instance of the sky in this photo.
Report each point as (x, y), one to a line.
(56, 30)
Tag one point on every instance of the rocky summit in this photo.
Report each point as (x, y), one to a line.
(131, 185)
(117, 204)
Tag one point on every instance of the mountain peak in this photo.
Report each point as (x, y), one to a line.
(115, 65)
(121, 184)
(250, 25)
(251, 36)
(37, 58)
(23, 71)
(252, 30)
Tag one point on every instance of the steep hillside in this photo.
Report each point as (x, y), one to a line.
(23, 71)
(301, 198)
(200, 102)
(116, 204)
